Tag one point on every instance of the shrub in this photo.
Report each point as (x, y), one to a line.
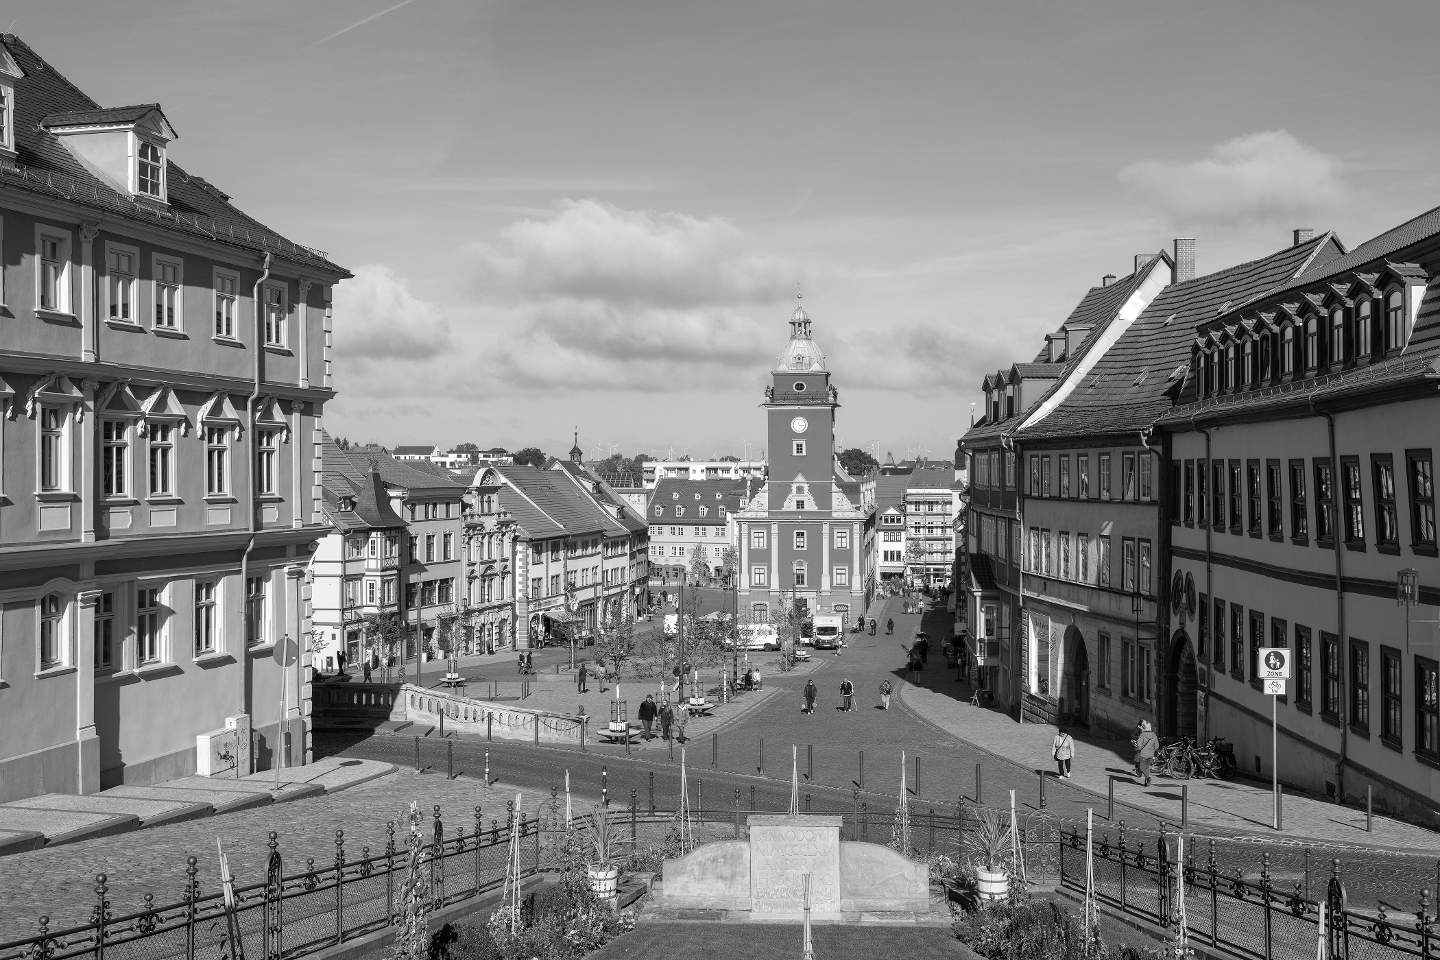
(1023, 928)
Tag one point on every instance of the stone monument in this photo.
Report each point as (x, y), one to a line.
(765, 874)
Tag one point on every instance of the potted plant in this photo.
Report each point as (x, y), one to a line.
(989, 844)
(603, 864)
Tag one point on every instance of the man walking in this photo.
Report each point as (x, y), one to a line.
(1146, 746)
(890, 626)
(682, 714)
(646, 714)
(885, 691)
(580, 678)
(810, 694)
(847, 695)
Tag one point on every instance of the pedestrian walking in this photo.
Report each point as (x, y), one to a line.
(755, 675)
(1064, 751)
(580, 676)
(340, 659)
(366, 666)
(847, 695)
(682, 715)
(885, 694)
(1146, 745)
(647, 717)
(810, 694)
(872, 626)
(667, 719)
(924, 647)
(890, 627)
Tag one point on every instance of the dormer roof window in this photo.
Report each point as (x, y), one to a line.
(9, 72)
(124, 146)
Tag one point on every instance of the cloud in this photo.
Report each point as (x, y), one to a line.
(378, 318)
(1258, 177)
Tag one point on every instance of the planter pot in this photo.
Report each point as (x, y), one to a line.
(605, 881)
(992, 884)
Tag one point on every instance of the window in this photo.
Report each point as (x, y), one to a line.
(1218, 622)
(1235, 517)
(1337, 336)
(1082, 469)
(105, 631)
(799, 539)
(448, 547)
(1146, 690)
(148, 624)
(1064, 555)
(275, 316)
(217, 461)
(1257, 640)
(679, 511)
(1427, 707)
(1201, 503)
(1104, 476)
(841, 576)
(429, 548)
(1390, 680)
(1287, 350)
(265, 453)
(1127, 668)
(1065, 476)
(1127, 474)
(120, 264)
(1034, 476)
(150, 171)
(1274, 509)
(1330, 675)
(205, 624)
(1252, 496)
(1312, 344)
(1044, 476)
(1247, 361)
(225, 304)
(1394, 321)
(1237, 641)
(758, 577)
(1145, 579)
(842, 539)
(537, 586)
(255, 627)
(1082, 558)
(799, 446)
(1202, 628)
(54, 449)
(1364, 331)
(659, 511)
(1422, 499)
(1387, 527)
(1359, 685)
(1324, 502)
(1102, 676)
(1187, 503)
(115, 457)
(1045, 539)
(1299, 515)
(1176, 471)
(162, 450)
(167, 294)
(1354, 504)
(52, 640)
(1304, 689)
(760, 612)
(1009, 469)
(54, 280)
(445, 590)
(1102, 559)
(1127, 581)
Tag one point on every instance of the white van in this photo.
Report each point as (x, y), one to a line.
(829, 631)
(672, 624)
(759, 636)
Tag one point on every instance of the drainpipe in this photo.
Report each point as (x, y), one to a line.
(257, 343)
(1008, 443)
(1209, 587)
(1162, 579)
(1339, 601)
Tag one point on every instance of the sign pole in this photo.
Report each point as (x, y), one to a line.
(1274, 670)
(1274, 762)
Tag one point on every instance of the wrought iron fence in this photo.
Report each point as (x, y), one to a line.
(1258, 919)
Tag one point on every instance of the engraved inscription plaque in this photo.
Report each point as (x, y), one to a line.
(784, 849)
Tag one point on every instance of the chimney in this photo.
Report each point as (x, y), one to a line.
(1184, 259)
(1142, 260)
(1108, 279)
(1304, 235)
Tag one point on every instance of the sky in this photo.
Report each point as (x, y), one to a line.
(595, 215)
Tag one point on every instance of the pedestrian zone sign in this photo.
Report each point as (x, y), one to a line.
(1274, 663)
(1274, 688)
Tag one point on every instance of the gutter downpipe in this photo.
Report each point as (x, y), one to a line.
(1162, 539)
(1209, 587)
(1008, 443)
(1339, 603)
(250, 484)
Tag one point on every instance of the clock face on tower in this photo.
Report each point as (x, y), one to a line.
(799, 424)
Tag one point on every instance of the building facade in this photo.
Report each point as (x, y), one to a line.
(686, 516)
(655, 471)
(164, 364)
(801, 535)
(932, 504)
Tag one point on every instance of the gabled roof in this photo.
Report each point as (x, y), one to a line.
(566, 510)
(43, 165)
(691, 494)
(343, 481)
(930, 479)
(890, 491)
(589, 483)
(413, 451)
(1131, 385)
(106, 116)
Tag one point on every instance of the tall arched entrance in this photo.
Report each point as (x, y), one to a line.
(1182, 689)
(1077, 678)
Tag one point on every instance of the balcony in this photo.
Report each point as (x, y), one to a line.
(380, 564)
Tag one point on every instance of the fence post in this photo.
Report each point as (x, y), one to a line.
(715, 751)
(389, 870)
(1214, 896)
(275, 900)
(634, 803)
(652, 793)
(1042, 788)
(479, 826)
(449, 759)
(339, 886)
(192, 892)
(417, 754)
(437, 860)
(1265, 893)
(977, 784)
(1124, 899)
(101, 914)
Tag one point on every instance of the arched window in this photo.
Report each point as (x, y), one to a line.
(1337, 335)
(1312, 343)
(800, 574)
(1287, 350)
(1266, 357)
(1364, 331)
(1247, 361)
(51, 639)
(1394, 321)
(1228, 374)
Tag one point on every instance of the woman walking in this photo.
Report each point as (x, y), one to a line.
(1064, 750)
(885, 694)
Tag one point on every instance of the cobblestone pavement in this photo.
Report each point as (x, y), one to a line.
(59, 881)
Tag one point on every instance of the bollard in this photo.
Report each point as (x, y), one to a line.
(442, 721)
(977, 784)
(652, 793)
(810, 762)
(1110, 802)
(917, 778)
(537, 729)
(417, 754)
(861, 782)
(1369, 809)
(1042, 788)
(449, 759)
(604, 787)
(807, 803)
(487, 768)
(715, 751)
(752, 796)
(584, 723)
(762, 757)
(1184, 807)
(699, 794)
(489, 726)
(1279, 806)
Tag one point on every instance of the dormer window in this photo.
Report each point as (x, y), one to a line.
(1287, 350)
(1394, 321)
(7, 121)
(150, 171)
(1312, 343)
(124, 146)
(679, 511)
(1337, 336)
(1364, 331)
(704, 511)
(1247, 360)
(675, 495)
(1009, 400)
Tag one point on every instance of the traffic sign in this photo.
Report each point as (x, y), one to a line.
(1274, 688)
(1274, 663)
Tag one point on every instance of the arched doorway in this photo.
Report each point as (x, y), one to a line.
(1182, 689)
(1076, 685)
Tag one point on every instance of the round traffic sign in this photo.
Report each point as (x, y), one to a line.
(286, 650)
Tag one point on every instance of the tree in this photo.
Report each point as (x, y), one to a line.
(384, 633)
(915, 558)
(729, 563)
(615, 642)
(466, 448)
(788, 621)
(857, 462)
(729, 458)
(699, 566)
(531, 457)
(342, 442)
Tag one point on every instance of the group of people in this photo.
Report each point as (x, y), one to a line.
(1143, 742)
(671, 720)
(847, 695)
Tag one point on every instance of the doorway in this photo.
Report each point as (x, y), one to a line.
(1182, 690)
(1082, 684)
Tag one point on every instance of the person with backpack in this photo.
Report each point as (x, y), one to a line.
(1063, 750)
(810, 694)
(1146, 746)
(885, 691)
(847, 695)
